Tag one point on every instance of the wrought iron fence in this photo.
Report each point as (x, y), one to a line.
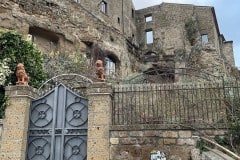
(200, 104)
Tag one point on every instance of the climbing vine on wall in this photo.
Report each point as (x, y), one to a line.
(190, 27)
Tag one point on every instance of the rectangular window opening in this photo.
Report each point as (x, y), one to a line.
(103, 7)
(78, 1)
(149, 37)
(204, 38)
(118, 20)
(133, 13)
(148, 18)
(110, 67)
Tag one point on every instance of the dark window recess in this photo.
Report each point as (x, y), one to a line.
(45, 39)
(133, 13)
(118, 20)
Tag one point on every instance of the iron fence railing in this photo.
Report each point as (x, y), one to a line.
(186, 104)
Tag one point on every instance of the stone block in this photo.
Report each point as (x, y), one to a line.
(170, 134)
(136, 133)
(128, 141)
(114, 141)
(123, 134)
(185, 134)
(152, 133)
(186, 141)
(169, 141)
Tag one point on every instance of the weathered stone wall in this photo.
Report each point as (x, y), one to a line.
(170, 36)
(66, 24)
(167, 23)
(119, 14)
(138, 144)
(228, 52)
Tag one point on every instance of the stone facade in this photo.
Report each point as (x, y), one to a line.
(170, 36)
(138, 144)
(75, 26)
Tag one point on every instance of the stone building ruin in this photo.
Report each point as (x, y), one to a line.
(165, 35)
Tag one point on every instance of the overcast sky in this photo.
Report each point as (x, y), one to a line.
(228, 17)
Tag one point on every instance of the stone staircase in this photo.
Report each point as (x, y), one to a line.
(215, 155)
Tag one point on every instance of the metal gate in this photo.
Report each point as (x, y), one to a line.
(58, 126)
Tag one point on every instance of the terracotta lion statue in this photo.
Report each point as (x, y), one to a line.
(100, 70)
(22, 78)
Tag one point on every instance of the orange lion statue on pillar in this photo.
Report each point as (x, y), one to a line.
(100, 70)
(22, 78)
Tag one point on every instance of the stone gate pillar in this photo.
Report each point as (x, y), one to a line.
(15, 123)
(99, 120)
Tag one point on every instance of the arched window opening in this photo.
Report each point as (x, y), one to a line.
(103, 7)
(110, 67)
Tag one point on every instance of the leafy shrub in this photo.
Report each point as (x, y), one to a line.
(13, 50)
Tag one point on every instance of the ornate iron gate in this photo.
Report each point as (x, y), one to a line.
(58, 126)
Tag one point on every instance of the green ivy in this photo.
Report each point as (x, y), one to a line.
(3, 101)
(18, 50)
(15, 48)
(190, 27)
(200, 145)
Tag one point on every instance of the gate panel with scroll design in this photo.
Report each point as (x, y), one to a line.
(58, 126)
